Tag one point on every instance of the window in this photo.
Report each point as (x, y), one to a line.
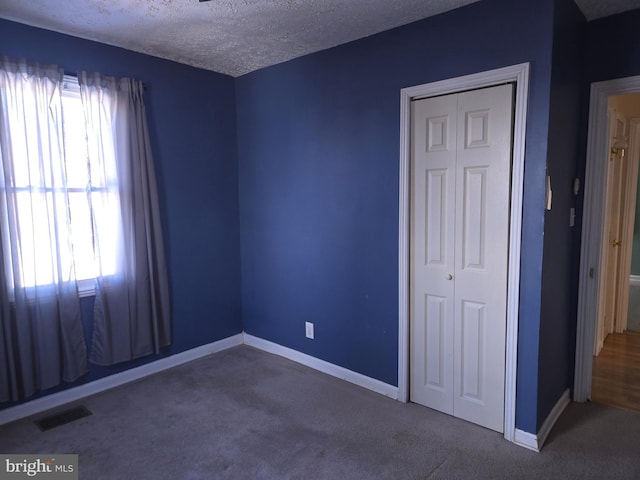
(91, 188)
(78, 200)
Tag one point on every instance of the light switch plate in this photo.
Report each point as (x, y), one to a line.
(572, 217)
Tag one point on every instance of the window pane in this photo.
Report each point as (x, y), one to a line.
(63, 226)
(102, 162)
(60, 234)
(75, 141)
(106, 208)
(82, 236)
(36, 256)
(22, 120)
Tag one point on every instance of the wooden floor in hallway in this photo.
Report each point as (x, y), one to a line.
(616, 372)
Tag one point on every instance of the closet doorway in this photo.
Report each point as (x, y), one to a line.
(460, 186)
(519, 76)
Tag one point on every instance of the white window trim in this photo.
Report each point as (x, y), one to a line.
(86, 286)
(70, 84)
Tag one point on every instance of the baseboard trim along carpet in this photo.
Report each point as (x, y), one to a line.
(323, 366)
(54, 400)
(524, 439)
(535, 442)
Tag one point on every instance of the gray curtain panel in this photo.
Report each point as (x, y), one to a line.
(41, 335)
(132, 308)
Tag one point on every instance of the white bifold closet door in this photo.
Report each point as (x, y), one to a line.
(460, 186)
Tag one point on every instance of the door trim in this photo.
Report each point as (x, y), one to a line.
(607, 291)
(520, 75)
(628, 224)
(592, 226)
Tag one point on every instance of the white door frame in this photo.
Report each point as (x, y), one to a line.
(520, 75)
(592, 226)
(609, 257)
(628, 224)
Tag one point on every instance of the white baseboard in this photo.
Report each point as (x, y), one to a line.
(553, 417)
(58, 399)
(76, 393)
(535, 442)
(323, 366)
(526, 440)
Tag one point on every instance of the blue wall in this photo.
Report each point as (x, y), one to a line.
(318, 148)
(316, 158)
(191, 115)
(561, 260)
(613, 47)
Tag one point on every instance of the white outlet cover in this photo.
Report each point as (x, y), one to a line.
(308, 329)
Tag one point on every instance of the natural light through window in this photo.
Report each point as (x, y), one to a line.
(92, 189)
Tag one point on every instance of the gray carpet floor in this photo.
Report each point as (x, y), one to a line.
(246, 414)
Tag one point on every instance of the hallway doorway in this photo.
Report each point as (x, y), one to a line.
(616, 363)
(607, 355)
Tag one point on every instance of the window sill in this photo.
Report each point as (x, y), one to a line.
(86, 287)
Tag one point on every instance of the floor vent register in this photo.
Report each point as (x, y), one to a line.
(62, 417)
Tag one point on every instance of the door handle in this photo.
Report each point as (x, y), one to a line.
(616, 243)
(449, 277)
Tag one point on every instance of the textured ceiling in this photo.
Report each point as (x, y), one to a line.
(238, 36)
(593, 9)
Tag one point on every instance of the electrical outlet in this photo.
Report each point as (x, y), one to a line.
(308, 326)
